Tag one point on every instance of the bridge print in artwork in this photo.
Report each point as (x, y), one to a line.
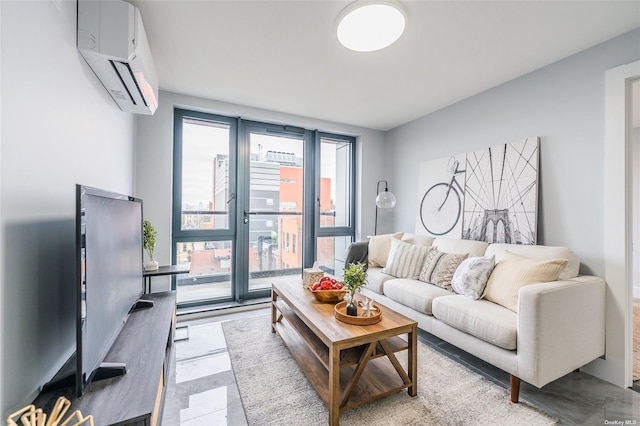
(501, 193)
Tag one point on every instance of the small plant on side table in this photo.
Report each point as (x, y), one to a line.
(354, 277)
(149, 235)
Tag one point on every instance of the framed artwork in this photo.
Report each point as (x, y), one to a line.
(501, 190)
(487, 195)
(441, 196)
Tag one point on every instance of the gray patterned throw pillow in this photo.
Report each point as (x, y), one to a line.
(439, 267)
(470, 279)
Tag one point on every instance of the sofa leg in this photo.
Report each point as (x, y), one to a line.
(514, 382)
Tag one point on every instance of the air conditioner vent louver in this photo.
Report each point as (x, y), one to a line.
(118, 94)
(112, 40)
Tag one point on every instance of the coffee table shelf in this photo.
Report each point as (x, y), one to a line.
(348, 357)
(348, 365)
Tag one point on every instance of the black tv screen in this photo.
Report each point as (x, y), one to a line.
(109, 273)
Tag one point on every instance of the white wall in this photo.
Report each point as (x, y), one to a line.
(562, 103)
(635, 183)
(634, 147)
(617, 366)
(155, 155)
(59, 128)
(1, 235)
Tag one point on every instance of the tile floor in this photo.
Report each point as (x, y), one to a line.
(202, 389)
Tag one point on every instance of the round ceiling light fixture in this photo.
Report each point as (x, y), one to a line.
(367, 26)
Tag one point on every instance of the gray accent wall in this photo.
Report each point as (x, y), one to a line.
(563, 104)
(59, 127)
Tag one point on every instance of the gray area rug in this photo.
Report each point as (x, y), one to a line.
(274, 390)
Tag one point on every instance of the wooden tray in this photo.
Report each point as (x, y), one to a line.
(341, 315)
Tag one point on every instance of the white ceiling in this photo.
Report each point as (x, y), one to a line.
(284, 55)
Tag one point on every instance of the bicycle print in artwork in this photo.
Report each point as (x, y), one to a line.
(441, 200)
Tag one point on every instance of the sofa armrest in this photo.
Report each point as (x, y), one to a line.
(561, 327)
(358, 253)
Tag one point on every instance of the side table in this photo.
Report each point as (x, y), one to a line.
(164, 270)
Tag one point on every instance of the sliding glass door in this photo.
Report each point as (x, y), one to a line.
(274, 207)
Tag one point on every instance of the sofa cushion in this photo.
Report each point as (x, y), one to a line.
(415, 294)
(379, 247)
(439, 268)
(376, 279)
(418, 240)
(514, 272)
(405, 260)
(458, 246)
(480, 318)
(542, 253)
(470, 279)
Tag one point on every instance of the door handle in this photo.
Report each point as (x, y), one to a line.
(246, 217)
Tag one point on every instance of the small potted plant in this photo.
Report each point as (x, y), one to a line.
(149, 243)
(354, 277)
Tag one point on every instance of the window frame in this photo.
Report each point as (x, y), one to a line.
(238, 131)
(179, 235)
(335, 231)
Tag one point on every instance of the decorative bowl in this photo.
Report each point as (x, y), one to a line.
(329, 296)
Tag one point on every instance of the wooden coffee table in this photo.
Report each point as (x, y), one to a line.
(348, 365)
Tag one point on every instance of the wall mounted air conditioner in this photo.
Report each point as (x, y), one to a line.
(112, 40)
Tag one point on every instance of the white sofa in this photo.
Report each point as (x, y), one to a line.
(559, 326)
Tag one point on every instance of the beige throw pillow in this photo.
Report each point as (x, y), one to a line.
(379, 248)
(418, 240)
(405, 260)
(514, 272)
(439, 268)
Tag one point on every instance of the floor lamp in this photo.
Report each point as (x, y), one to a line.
(384, 200)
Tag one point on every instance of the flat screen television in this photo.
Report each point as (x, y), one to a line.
(109, 282)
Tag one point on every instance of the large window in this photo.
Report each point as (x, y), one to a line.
(336, 201)
(255, 203)
(203, 210)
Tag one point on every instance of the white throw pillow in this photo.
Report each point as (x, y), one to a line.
(514, 272)
(379, 247)
(470, 279)
(405, 260)
(439, 268)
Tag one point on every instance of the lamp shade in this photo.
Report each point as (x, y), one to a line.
(386, 200)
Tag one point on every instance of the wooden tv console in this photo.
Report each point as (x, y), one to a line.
(136, 398)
